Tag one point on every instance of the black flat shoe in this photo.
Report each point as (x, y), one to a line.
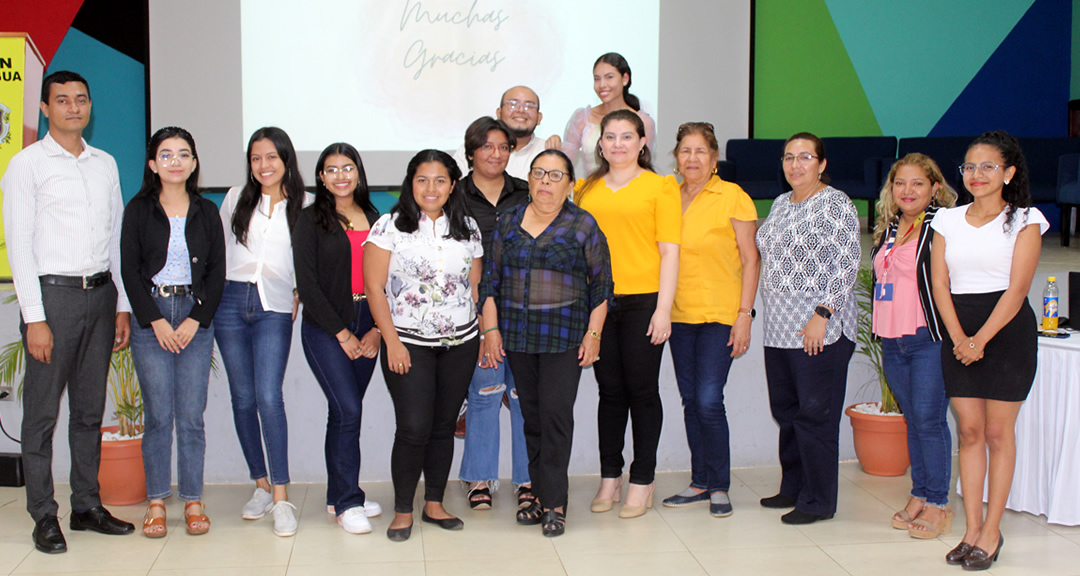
(778, 501)
(799, 518)
(979, 559)
(99, 520)
(445, 523)
(48, 537)
(399, 534)
(553, 523)
(956, 555)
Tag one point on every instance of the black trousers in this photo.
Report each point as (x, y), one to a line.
(83, 324)
(547, 386)
(426, 404)
(806, 394)
(628, 378)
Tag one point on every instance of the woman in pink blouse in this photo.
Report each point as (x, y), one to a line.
(611, 82)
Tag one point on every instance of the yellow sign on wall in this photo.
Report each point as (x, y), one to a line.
(21, 68)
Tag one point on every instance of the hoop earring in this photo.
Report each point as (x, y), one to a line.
(714, 170)
(641, 152)
(600, 152)
(676, 170)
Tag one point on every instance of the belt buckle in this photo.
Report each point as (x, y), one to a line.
(85, 284)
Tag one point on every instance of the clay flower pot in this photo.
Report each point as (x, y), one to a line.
(880, 442)
(121, 477)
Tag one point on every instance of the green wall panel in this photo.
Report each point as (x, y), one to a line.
(803, 77)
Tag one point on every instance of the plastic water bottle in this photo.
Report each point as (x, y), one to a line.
(1050, 305)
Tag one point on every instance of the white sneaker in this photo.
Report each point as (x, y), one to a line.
(261, 502)
(371, 509)
(354, 521)
(284, 518)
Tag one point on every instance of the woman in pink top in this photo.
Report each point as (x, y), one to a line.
(910, 327)
(611, 82)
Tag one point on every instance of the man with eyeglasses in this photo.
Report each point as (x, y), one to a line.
(520, 110)
(62, 214)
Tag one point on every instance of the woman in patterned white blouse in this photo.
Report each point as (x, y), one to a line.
(810, 255)
(421, 270)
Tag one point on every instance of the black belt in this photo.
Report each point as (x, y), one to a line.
(84, 282)
(166, 291)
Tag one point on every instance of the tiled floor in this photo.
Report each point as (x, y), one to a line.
(859, 541)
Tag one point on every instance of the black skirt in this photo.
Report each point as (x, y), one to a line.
(1007, 368)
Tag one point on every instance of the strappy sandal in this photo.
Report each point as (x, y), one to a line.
(530, 516)
(191, 520)
(553, 523)
(151, 524)
(927, 530)
(525, 497)
(480, 498)
(902, 518)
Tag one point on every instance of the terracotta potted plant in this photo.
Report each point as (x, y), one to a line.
(878, 428)
(121, 477)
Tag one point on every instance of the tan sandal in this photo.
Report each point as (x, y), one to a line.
(902, 518)
(925, 530)
(192, 519)
(151, 524)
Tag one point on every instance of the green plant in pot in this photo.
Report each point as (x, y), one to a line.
(869, 346)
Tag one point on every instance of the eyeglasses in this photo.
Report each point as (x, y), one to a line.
(803, 158)
(489, 148)
(179, 157)
(512, 105)
(553, 175)
(346, 171)
(987, 168)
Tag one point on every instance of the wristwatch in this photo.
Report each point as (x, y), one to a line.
(823, 312)
(752, 313)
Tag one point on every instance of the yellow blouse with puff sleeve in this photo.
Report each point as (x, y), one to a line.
(634, 218)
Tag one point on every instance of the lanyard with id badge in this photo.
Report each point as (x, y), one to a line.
(883, 290)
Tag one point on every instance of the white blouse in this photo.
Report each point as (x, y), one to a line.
(980, 259)
(267, 259)
(431, 300)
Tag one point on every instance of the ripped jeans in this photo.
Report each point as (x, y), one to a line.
(480, 461)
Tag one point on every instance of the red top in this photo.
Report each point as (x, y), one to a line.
(356, 242)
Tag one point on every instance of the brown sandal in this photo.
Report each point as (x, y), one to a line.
(192, 519)
(923, 529)
(150, 524)
(902, 518)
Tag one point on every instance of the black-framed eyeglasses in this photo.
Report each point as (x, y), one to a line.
(553, 175)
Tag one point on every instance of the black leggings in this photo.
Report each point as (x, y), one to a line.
(426, 404)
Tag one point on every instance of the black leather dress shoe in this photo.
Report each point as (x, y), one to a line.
(956, 555)
(798, 518)
(444, 523)
(778, 501)
(48, 537)
(98, 519)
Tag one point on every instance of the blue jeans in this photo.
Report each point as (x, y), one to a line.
(344, 383)
(173, 389)
(254, 347)
(702, 358)
(480, 461)
(913, 369)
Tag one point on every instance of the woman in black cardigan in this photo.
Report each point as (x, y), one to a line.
(172, 259)
(339, 337)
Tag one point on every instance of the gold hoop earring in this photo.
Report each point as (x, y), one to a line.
(714, 170)
(676, 170)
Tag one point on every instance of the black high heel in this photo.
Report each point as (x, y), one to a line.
(978, 559)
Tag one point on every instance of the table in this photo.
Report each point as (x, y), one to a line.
(1047, 477)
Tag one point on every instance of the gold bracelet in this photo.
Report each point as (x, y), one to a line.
(594, 334)
(971, 344)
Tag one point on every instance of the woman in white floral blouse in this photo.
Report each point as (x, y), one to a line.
(421, 270)
(810, 255)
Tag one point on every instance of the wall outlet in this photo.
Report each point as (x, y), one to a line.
(7, 394)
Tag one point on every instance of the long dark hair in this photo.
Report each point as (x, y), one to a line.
(292, 185)
(407, 211)
(151, 182)
(615, 59)
(325, 207)
(1017, 192)
(602, 166)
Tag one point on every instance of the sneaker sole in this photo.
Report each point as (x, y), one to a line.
(684, 504)
(253, 516)
(724, 515)
(285, 534)
(361, 531)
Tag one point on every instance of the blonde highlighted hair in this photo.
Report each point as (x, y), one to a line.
(886, 207)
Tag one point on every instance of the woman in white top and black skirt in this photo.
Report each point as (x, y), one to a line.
(982, 266)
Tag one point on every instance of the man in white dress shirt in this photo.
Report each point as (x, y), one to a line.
(62, 213)
(520, 110)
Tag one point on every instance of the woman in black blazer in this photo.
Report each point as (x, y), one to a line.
(172, 259)
(339, 337)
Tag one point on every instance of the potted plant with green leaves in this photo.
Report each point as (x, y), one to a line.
(879, 430)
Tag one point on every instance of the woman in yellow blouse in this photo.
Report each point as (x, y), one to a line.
(714, 306)
(638, 211)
